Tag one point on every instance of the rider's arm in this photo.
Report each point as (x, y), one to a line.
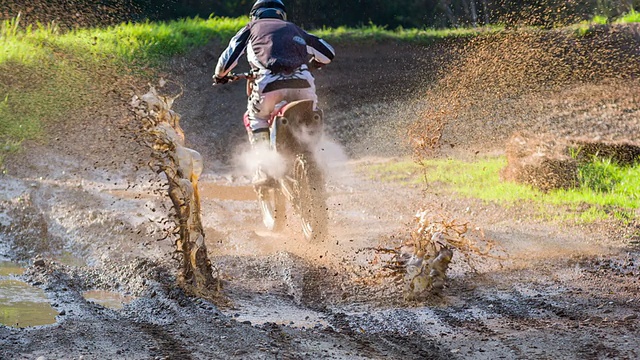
(319, 49)
(229, 58)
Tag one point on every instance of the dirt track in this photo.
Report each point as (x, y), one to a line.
(565, 292)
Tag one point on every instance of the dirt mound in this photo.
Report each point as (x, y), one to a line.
(549, 163)
(621, 152)
(540, 162)
(544, 82)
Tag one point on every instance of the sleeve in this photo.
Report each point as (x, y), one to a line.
(229, 58)
(319, 49)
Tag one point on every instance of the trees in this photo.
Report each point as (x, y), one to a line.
(314, 14)
(409, 13)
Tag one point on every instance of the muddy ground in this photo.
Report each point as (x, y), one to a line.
(81, 211)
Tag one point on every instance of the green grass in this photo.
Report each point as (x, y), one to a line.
(147, 42)
(586, 28)
(128, 42)
(374, 33)
(628, 18)
(16, 128)
(606, 191)
(46, 73)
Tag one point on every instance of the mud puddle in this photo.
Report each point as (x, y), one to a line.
(208, 189)
(212, 190)
(22, 305)
(272, 309)
(109, 299)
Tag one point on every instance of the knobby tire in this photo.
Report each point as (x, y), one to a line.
(273, 207)
(311, 197)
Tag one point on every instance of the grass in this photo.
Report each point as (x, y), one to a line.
(628, 18)
(127, 43)
(585, 28)
(606, 190)
(374, 33)
(46, 73)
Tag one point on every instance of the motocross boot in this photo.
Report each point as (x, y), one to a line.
(260, 140)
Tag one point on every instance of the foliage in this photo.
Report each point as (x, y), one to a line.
(13, 127)
(599, 175)
(600, 20)
(148, 42)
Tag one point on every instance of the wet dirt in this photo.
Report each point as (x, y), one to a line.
(566, 291)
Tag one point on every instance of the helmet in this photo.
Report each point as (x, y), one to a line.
(268, 9)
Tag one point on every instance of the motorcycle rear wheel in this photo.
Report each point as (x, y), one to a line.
(311, 197)
(273, 208)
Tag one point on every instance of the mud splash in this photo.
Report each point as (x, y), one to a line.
(159, 129)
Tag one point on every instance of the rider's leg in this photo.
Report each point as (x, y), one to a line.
(259, 108)
(259, 144)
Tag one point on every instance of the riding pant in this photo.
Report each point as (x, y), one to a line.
(270, 89)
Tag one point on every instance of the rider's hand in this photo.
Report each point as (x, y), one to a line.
(314, 65)
(220, 80)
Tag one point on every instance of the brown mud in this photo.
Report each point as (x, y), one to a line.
(566, 291)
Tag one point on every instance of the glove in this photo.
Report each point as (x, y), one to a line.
(220, 80)
(314, 65)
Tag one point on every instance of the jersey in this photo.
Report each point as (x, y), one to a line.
(273, 46)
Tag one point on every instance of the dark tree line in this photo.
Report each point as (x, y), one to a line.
(314, 13)
(410, 13)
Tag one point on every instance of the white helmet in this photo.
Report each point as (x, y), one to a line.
(268, 9)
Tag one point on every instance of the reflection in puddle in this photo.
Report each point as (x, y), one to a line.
(21, 304)
(108, 299)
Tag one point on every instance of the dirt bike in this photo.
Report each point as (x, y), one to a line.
(295, 131)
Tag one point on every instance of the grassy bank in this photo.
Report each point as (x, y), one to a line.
(45, 73)
(606, 190)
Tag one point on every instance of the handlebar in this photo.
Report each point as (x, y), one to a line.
(231, 77)
(250, 75)
(235, 77)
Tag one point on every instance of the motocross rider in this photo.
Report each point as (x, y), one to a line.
(280, 54)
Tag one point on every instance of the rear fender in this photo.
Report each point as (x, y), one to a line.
(296, 127)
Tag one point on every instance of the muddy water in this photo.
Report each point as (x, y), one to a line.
(212, 190)
(22, 305)
(109, 299)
